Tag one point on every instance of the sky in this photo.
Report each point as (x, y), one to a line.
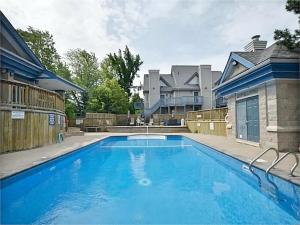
(162, 32)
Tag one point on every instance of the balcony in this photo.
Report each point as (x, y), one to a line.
(221, 102)
(18, 95)
(181, 101)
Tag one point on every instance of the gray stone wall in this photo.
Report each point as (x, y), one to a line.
(279, 115)
(231, 125)
(288, 113)
(267, 114)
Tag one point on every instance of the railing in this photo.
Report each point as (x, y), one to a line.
(221, 102)
(149, 111)
(263, 153)
(175, 101)
(182, 101)
(283, 157)
(24, 96)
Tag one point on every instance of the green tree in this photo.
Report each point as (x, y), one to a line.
(109, 97)
(85, 69)
(135, 98)
(124, 66)
(62, 69)
(285, 37)
(70, 109)
(106, 69)
(43, 46)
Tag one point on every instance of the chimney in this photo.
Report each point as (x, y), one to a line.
(255, 44)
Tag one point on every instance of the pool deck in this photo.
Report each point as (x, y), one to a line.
(11, 163)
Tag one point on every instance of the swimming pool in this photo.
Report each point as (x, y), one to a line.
(159, 180)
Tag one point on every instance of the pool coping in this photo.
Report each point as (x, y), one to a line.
(54, 157)
(275, 172)
(246, 163)
(278, 173)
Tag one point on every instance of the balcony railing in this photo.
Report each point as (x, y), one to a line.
(182, 101)
(221, 102)
(24, 96)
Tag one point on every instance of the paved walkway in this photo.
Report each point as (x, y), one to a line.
(12, 163)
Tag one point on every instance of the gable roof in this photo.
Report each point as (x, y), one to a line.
(191, 78)
(234, 57)
(10, 35)
(276, 61)
(167, 79)
(278, 51)
(15, 55)
(251, 59)
(182, 73)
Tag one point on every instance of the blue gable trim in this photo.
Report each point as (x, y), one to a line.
(256, 77)
(19, 66)
(5, 24)
(228, 67)
(31, 69)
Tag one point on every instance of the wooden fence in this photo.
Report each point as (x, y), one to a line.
(32, 131)
(98, 120)
(122, 119)
(15, 94)
(211, 115)
(34, 106)
(159, 119)
(208, 121)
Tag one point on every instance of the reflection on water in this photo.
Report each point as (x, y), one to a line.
(137, 164)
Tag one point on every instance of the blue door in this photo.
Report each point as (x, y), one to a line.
(247, 114)
(241, 119)
(252, 119)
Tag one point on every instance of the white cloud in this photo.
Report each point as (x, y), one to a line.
(163, 32)
(73, 24)
(254, 17)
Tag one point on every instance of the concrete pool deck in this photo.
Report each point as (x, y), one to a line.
(11, 163)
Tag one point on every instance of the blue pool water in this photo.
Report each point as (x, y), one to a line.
(153, 181)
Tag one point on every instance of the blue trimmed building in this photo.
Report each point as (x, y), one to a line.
(31, 97)
(262, 89)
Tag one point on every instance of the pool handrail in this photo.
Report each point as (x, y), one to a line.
(264, 152)
(283, 157)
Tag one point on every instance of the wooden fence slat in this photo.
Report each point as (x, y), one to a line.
(32, 131)
(199, 121)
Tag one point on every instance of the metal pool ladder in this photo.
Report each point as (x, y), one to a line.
(283, 157)
(264, 152)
